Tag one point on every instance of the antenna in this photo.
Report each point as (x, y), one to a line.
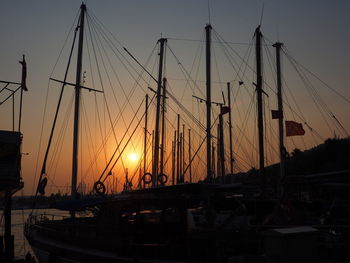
(262, 13)
(278, 33)
(209, 11)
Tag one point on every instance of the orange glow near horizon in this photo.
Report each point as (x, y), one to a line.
(133, 157)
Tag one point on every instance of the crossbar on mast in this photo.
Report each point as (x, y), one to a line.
(74, 85)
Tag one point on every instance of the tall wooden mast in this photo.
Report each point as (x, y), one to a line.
(221, 146)
(145, 138)
(173, 155)
(162, 42)
(163, 128)
(77, 103)
(280, 119)
(259, 92)
(230, 127)
(189, 154)
(208, 101)
(183, 163)
(178, 150)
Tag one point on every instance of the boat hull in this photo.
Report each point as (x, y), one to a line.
(49, 251)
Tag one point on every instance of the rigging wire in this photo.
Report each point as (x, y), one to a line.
(117, 149)
(47, 96)
(56, 153)
(318, 98)
(315, 96)
(97, 111)
(43, 170)
(102, 86)
(315, 76)
(127, 142)
(110, 82)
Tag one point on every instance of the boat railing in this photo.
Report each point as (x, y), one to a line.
(59, 226)
(34, 219)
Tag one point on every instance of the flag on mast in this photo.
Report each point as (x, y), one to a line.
(294, 128)
(224, 110)
(277, 114)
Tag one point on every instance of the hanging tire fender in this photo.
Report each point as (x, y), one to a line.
(162, 179)
(42, 185)
(147, 178)
(99, 188)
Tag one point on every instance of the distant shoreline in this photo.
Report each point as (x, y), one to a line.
(27, 207)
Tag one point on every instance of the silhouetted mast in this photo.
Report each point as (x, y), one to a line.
(190, 154)
(178, 150)
(180, 158)
(183, 155)
(218, 164)
(162, 42)
(208, 101)
(152, 146)
(230, 127)
(77, 104)
(173, 159)
(213, 159)
(145, 137)
(221, 145)
(280, 113)
(259, 92)
(163, 127)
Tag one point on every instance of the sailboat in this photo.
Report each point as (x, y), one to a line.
(157, 224)
(183, 222)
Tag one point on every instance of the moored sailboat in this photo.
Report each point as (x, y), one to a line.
(202, 222)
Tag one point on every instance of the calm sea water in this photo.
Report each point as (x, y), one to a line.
(19, 218)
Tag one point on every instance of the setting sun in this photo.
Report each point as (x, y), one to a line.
(133, 157)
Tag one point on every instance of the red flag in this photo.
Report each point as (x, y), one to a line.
(224, 110)
(276, 114)
(294, 128)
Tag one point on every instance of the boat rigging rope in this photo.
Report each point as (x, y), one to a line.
(185, 72)
(97, 113)
(117, 149)
(115, 74)
(317, 98)
(104, 32)
(100, 27)
(122, 108)
(101, 82)
(46, 98)
(286, 52)
(58, 144)
(232, 62)
(235, 98)
(197, 40)
(43, 169)
(113, 48)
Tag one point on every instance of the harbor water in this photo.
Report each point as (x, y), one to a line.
(19, 218)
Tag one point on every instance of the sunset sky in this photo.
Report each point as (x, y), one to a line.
(315, 32)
